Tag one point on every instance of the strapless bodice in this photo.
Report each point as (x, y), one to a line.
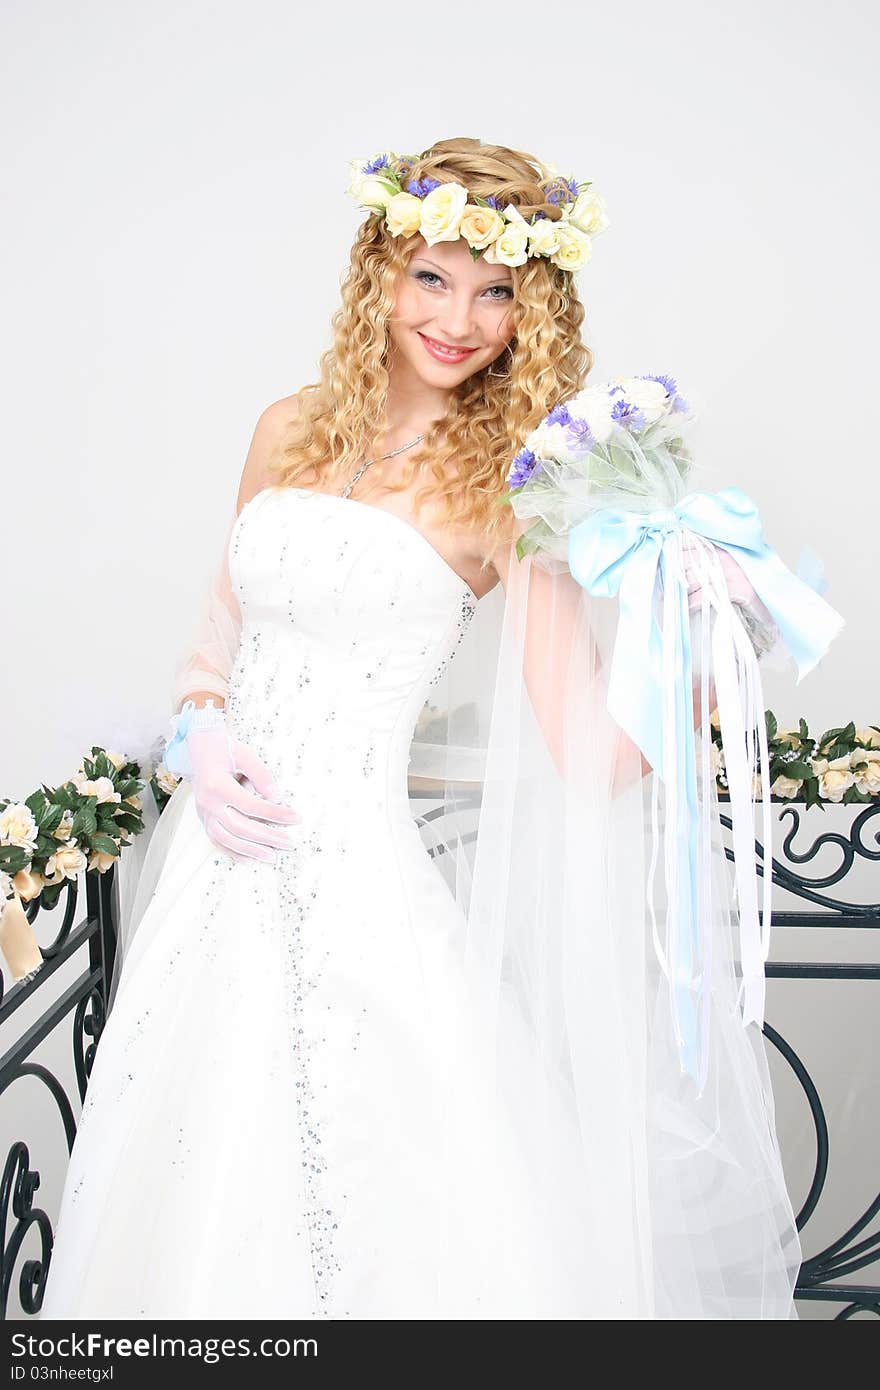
(349, 616)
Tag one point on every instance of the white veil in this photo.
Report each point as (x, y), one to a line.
(658, 1198)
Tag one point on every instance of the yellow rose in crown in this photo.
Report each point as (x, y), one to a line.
(480, 226)
(403, 214)
(442, 211)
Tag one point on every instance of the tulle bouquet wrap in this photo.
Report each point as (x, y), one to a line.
(604, 485)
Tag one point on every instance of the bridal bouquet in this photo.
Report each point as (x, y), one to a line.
(603, 481)
(619, 443)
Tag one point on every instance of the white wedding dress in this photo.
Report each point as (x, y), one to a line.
(263, 1131)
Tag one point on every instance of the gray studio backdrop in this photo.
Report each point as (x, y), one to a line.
(176, 226)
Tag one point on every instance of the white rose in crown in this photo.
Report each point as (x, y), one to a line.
(442, 211)
(18, 827)
(544, 237)
(575, 247)
(371, 190)
(589, 212)
(403, 214)
(512, 246)
(868, 738)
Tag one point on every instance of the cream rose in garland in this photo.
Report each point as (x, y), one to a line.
(441, 211)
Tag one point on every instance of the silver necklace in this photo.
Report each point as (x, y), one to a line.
(364, 466)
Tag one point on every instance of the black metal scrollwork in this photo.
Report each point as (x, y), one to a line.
(843, 1256)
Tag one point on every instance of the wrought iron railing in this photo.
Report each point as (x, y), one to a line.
(846, 1255)
(93, 942)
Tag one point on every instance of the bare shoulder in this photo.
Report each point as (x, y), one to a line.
(268, 433)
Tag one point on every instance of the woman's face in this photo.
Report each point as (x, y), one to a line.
(446, 299)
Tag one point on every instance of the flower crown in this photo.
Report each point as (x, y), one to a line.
(440, 211)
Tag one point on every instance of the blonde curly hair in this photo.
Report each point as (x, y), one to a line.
(467, 453)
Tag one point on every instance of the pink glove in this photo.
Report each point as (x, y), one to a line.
(756, 618)
(234, 819)
(738, 586)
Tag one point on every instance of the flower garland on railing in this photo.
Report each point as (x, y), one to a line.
(56, 833)
(85, 823)
(842, 766)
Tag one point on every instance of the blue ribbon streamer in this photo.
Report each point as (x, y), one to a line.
(620, 552)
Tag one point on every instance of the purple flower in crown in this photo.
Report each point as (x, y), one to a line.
(380, 162)
(420, 188)
(492, 201)
(524, 465)
(559, 415)
(562, 191)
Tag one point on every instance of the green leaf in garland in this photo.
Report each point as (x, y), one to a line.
(36, 804)
(798, 772)
(803, 730)
(772, 726)
(852, 794)
(105, 844)
(13, 858)
(811, 792)
(85, 821)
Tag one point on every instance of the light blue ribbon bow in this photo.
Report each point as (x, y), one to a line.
(619, 552)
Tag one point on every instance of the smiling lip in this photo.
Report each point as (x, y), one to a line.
(442, 353)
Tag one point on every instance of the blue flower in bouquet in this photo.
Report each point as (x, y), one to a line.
(524, 465)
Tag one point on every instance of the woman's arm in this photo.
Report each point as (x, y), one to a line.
(563, 669)
(204, 674)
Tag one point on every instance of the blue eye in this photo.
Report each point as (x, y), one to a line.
(506, 290)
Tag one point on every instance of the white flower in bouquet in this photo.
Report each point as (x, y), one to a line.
(648, 396)
(594, 407)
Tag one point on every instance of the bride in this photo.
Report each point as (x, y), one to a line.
(363, 1063)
